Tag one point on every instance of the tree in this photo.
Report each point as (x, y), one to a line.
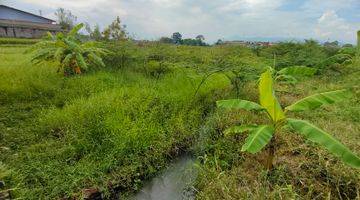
(190, 42)
(65, 18)
(96, 33)
(72, 56)
(331, 48)
(177, 38)
(219, 42)
(200, 37)
(88, 28)
(332, 44)
(115, 30)
(106, 33)
(200, 40)
(166, 40)
(348, 46)
(262, 135)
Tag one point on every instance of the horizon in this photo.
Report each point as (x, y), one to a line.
(278, 20)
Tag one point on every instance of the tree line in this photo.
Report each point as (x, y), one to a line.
(177, 39)
(117, 31)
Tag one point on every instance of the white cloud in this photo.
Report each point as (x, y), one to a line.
(229, 19)
(317, 6)
(167, 3)
(331, 26)
(250, 5)
(78, 4)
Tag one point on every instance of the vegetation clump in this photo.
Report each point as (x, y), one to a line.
(70, 54)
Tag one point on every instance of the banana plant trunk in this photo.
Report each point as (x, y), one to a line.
(271, 154)
(75, 67)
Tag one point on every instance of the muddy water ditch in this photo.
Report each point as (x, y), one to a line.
(175, 182)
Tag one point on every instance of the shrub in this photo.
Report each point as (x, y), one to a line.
(156, 69)
(123, 53)
(310, 54)
(335, 62)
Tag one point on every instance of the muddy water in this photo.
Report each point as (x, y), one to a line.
(174, 183)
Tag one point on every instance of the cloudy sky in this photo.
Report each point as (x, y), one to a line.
(216, 19)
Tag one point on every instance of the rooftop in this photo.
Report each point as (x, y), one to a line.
(26, 13)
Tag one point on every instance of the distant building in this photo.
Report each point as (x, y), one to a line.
(16, 23)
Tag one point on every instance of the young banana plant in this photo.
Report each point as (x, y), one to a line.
(71, 55)
(262, 135)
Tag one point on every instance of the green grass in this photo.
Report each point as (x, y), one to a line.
(17, 41)
(115, 127)
(61, 135)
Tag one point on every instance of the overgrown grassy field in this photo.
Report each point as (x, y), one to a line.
(107, 128)
(110, 129)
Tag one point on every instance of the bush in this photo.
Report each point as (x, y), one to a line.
(124, 53)
(156, 69)
(309, 54)
(335, 62)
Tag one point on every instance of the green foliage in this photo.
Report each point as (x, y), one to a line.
(333, 61)
(156, 69)
(122, 54)
(236, 63)
(309, 54)
(4, 172)
(106, 129)
(317, 100)
(118, 126)
(176, 38)
(193, 42)
(261, 135)
(298, 71)
(94, 34)
(198, 41)
(71, 55)
(239, 104)
(17, 41)
(317, 135)
(219, 42)
(351, 51)
(258, 138)
(268, 99)
(115, 31)
(65, 18)
(331, 48)
(240, 129)
(166, 40)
